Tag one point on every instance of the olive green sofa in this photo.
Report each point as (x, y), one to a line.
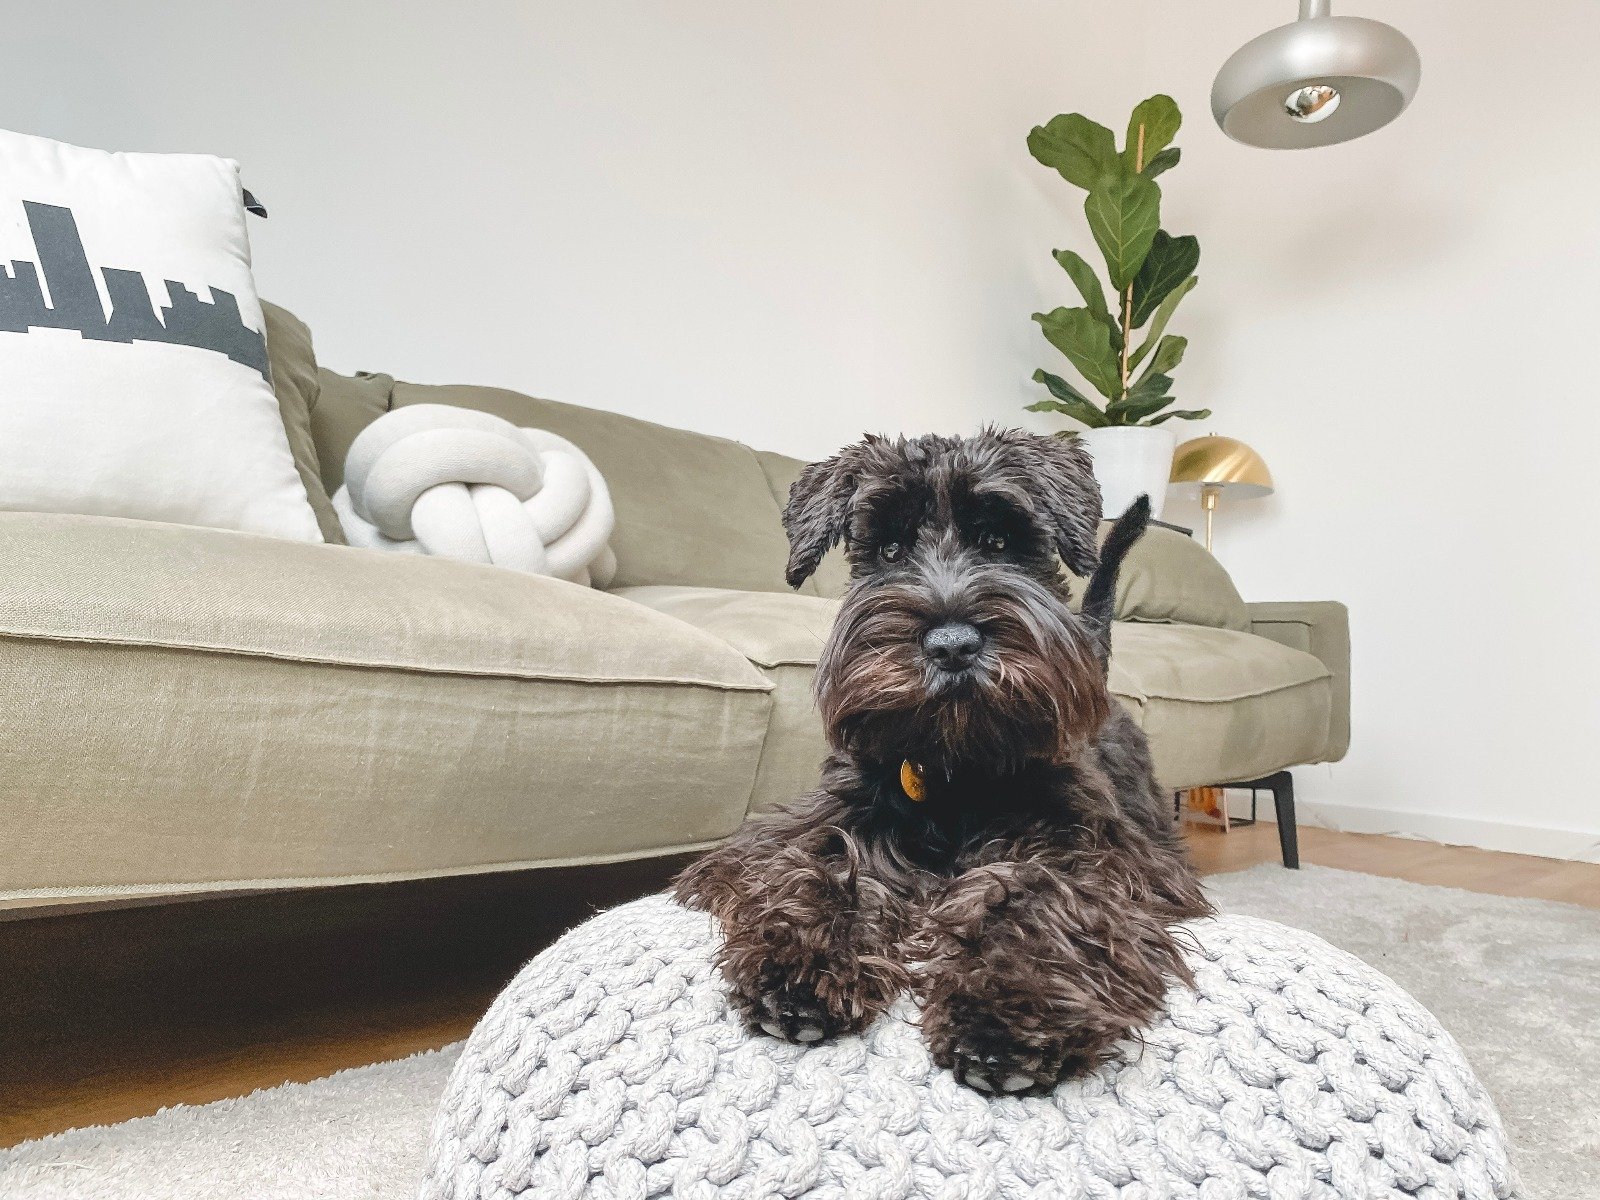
(192, 710)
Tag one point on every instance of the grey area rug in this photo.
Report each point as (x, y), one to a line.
(1516, 981)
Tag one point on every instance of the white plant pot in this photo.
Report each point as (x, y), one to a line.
(1131, 461)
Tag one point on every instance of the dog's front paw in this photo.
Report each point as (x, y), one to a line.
(795, 1013)
(988, 1057)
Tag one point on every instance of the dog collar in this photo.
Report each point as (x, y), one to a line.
(911, 782)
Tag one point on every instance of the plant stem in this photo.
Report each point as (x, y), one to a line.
(1127, 295)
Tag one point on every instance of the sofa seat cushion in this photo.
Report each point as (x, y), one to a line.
(783, 635)
(190, 709)
(772, 629)
(1219, 705)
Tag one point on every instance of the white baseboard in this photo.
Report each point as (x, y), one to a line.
(1507, 836)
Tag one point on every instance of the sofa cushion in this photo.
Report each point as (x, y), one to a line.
(294, 382)
(1218, 705)
(1168, 577)
(771, 629)
(783, 635)
(191, 709)
(346, 404)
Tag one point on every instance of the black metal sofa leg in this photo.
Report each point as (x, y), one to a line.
(1282, 785)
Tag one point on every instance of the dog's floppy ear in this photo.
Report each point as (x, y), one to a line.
(818, 513)
(1061, 478)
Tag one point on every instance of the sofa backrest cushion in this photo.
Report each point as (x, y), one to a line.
(1168, 577)
(295, 383)
(346, 405)
(703, 511)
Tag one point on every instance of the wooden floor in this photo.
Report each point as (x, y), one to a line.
(110, 1015)
(1402, 858)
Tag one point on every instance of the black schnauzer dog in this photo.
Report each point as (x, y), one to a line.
(989, 832)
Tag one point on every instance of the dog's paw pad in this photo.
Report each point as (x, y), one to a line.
(995, 1065)
(1003, 1078)
(794, 1018)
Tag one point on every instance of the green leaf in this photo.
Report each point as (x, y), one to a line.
(1160, 117)
(1124, 212)
(1164, 161)
(1077, 147)
(1168, 355)
(1088, 283)
(1171, 260)
(1147, 396)
(1163, 314)
(1139, 400)
(1141, 414)
(1087, 414)
(1068, 400)
(1154, 384)
(1138, 413)
(1059, 387)
(1084, 339)
(1183, 414)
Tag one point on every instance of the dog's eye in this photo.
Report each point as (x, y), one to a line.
(994, 543)
(891, 552)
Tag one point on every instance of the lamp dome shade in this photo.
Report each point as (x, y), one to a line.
(1214, 461)
(1316, 82)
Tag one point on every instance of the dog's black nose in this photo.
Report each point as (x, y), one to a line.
(953, 645)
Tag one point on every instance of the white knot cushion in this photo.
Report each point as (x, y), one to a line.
(453, 482)
(612, 1067)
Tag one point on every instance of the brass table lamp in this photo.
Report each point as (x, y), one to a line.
(1205, 467)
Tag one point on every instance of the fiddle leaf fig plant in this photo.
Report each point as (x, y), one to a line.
(1148, 270)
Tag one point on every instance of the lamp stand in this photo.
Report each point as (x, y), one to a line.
(1212, 801)
(1208, 501)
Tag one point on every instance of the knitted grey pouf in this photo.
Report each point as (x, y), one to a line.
(613, 1067)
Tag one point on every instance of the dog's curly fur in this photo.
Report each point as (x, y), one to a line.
(1028, 899)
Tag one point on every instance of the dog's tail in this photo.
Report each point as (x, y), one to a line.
(1099, 601)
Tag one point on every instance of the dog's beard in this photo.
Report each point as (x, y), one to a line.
(1035, 692)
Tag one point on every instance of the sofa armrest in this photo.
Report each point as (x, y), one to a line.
(1321, 628)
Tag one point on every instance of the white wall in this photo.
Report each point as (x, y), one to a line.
(786, 222)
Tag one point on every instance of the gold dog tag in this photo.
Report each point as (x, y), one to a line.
(911, 781)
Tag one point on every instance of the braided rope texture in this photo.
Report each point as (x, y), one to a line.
(613, 1068)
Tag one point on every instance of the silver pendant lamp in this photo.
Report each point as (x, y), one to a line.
(1318, 81)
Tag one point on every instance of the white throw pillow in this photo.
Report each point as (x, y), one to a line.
(462, 484)
(133, 361)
